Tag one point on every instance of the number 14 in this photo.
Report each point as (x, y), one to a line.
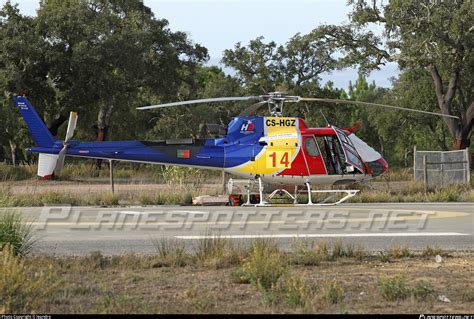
(278, 159)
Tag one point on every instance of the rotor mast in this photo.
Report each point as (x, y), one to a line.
(276, 100)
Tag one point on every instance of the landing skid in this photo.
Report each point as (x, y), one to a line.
(255, 188)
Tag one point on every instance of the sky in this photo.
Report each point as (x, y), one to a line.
(220, 24)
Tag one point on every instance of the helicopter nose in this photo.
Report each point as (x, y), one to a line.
(384, 164)
(378, 167)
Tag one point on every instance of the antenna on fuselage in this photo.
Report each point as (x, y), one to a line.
(324, 117)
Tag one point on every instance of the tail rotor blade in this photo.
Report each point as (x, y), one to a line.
(71, 126)
(60, 161)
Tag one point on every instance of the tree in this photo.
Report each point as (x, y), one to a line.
(187, 121)
(106, 53)
(22, 71)
(435, 36)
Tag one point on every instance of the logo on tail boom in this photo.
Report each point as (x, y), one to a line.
(247, 128)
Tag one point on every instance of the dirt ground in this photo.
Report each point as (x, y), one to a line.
(133, 285)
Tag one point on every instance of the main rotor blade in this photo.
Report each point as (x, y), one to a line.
(71, 126)
(200, 101)
(339, 101)
(252, 108)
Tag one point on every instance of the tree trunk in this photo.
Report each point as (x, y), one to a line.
(461, 134)
(56, 124)
(467, 123)
(13, 150)
(103, 122)
(381, 145)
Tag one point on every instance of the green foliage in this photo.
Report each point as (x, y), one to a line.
(394, 288)
(446, 59)
(423, 290)
(332, 292)
(468, 295)
(216, 252)
(16, 234)
(430, 251)
(264, 265)
(23, 288)
(297, 291)
(171, 253)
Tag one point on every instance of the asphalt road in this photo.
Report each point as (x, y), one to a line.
(118, 230)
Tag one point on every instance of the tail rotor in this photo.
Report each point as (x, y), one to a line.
(71, 127)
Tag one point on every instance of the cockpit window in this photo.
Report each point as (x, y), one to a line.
(311, 147)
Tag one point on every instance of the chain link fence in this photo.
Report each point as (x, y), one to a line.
(438, 169)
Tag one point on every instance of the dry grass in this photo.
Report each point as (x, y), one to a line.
(217, 276)
(160, 185)
(24, 288)
(143, 284)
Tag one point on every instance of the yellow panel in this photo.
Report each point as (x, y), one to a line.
(278, 159)
(265, 164)
(280, 125)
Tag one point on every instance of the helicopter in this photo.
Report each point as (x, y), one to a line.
(260, 151)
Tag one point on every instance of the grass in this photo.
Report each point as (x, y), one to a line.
(468, 295)
(171, 252)
(423, 290)
(430, 251)
(169, 197)
(216, 252)
(414, 192)
(23, 287)
(179, 185)
(394, 288)
(297, 291)
(332, 292)
(307, 252)
(172, 197)
(16, 234)
(145, 284)
(264, 265)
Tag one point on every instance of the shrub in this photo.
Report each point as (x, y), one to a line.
(332, 292)
(305, 254)
(172, 253)
(23, 289)
(468, 295)
(216, 252)
(265, 264)
(422, 290)
(16, 233)
(395, 288)
(432, 251)
(399, 251)
(384, 256)
(297, 292)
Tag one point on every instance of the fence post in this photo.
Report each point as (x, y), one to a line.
(442, 174)
(425, 173)
(111, 171)
(414, 163)
(468, 167)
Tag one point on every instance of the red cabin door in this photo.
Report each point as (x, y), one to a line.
(313, 156)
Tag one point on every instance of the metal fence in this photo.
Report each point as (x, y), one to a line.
(438, 169)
